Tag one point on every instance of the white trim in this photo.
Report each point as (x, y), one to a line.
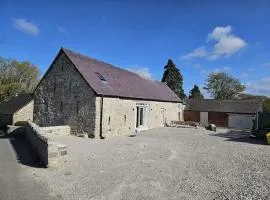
(145, 118)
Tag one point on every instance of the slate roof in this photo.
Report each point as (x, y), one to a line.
(228, 106)
(119, 82)
(15, 103)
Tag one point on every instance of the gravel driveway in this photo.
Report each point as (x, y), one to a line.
(164, 163)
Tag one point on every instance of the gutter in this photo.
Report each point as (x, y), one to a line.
(101, 119)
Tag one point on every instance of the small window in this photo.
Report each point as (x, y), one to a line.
(77, 107)
(61, 106)
(54, 86)
(69, 86)
(100, 76)
(46, 107)
(125, 118)
(109, 121)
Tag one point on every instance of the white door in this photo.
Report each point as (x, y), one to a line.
(162, 117)
(141, 117)
(204, 118)
(241, 122)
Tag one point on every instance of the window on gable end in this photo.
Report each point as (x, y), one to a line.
(54, 86)
(69, 86)
(77, 107)
(61, 106)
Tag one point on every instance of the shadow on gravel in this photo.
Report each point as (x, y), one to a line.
(24, 153)
(239, 136)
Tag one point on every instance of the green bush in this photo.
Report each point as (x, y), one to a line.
(268, 138)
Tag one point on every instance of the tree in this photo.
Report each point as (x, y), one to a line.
(16, 77)
(266, 105)
(173, 78)
(223, 86)
(195, 93)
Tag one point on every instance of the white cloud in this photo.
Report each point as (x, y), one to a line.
(219, 32)
(61, 29)
(228, 45)
(200, 52)
(260, 87)
(25, 26)
(225, 45)
(141, 71)
(267, 64)
(251, 69)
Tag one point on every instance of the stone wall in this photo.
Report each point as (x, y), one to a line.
(119, 115)
(12, 129)
(38, 142)
(56, 130)
(64, 98)
(24, 114)
(47, 150)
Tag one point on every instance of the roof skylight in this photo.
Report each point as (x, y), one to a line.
(100, 76)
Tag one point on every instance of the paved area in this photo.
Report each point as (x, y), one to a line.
(16, 164)
(165, 163)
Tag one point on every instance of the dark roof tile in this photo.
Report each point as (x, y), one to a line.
(15, 103)
(119, 82)
(229, 106)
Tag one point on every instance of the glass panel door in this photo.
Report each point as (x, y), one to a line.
(141, 116)
(137, 117)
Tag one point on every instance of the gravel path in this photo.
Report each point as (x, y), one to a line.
(164, 163)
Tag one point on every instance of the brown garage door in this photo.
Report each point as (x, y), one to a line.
(218, 118)
(193, 116)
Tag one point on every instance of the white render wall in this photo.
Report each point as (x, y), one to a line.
(25, 113)
(115, 110)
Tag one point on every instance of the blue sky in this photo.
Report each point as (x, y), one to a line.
(231, 36)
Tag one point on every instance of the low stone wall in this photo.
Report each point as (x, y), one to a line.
(11, 128)
(56, 130)
(47, 150)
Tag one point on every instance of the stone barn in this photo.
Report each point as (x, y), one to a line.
(17, 110)
(101, 100)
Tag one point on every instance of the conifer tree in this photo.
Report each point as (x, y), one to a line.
(173, 78)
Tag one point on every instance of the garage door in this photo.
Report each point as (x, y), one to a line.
(241, 122)
(193, 116)
(218, 118)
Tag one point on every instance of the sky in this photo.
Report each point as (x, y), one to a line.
(216, 36)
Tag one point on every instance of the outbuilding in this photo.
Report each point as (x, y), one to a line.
(17, 110)
(235, 114)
